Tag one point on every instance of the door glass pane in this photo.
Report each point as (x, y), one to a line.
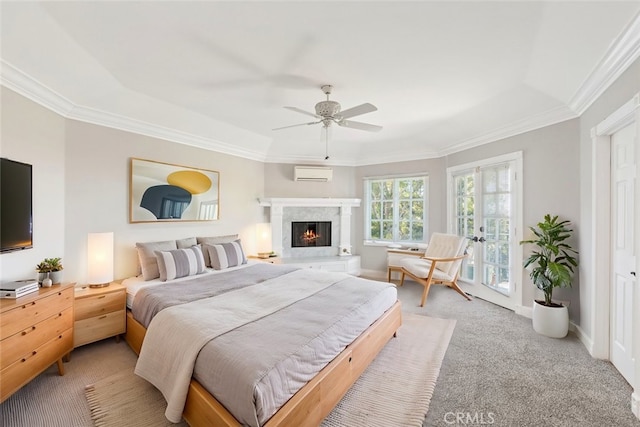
(464, 212)
(496, 219)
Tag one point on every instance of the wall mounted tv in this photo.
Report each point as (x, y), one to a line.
(16, 214)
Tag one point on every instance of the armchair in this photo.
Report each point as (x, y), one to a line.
(440, 264)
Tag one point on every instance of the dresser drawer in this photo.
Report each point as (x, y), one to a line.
(28, 314)
(25, 341)
(100, 327)
(96, 305)
(30, 365)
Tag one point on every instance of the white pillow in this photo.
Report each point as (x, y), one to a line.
(180, 263)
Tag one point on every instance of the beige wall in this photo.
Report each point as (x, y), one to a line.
(35, 135)
(620, 92)
(81, 181)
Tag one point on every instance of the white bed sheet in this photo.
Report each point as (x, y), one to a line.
(134, 284)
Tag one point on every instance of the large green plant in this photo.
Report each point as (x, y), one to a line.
(552, 261)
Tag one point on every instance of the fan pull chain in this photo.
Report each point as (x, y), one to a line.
(326, 143)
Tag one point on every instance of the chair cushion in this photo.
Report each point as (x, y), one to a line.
(420, 268)
(446, 246)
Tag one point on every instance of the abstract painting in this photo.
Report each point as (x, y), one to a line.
(161, 192)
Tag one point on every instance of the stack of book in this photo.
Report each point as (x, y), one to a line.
(18, 289)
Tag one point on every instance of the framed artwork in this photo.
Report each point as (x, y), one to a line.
(161, 192)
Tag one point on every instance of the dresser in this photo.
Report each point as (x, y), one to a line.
(99, 313)
(36, 331)
(395, 255)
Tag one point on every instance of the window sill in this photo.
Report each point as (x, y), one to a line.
(394, 245)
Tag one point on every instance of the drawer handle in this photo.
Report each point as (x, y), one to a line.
(32, 304)
(101, 296)
(33, 328)
(103, 317)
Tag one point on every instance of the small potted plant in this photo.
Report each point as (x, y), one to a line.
(551, 266)
(51, 266)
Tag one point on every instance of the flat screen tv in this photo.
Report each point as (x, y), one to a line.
(16, 215)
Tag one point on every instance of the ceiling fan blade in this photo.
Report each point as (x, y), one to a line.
(300, 124)
(301, 111)
(359, 125)
(356, 111)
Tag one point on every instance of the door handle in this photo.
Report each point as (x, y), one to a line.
(633, 273)
(481, 240)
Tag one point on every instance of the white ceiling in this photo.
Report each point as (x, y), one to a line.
(445, 76)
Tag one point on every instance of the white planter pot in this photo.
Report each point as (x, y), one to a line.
(550, 321)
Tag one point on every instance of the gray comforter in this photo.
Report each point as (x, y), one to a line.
(253, 369)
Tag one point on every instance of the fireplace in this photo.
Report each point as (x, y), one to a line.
(306, 234)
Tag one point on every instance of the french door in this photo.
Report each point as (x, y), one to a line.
(485, 206)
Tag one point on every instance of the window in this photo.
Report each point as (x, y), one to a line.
(396, 209)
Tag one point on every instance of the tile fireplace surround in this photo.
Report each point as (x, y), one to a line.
(285, 210)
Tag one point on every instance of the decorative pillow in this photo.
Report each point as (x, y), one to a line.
(180, 263)
(226, 255)
(186, 243)
(147, 257)
(214, 240)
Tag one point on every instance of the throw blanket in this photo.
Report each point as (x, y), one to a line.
(192, 325)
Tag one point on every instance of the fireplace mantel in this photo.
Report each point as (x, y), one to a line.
(309, 202)
(277, 206)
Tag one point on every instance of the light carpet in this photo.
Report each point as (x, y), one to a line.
(395, 390)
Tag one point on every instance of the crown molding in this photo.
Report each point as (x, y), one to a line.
(23, 84)
(546, 118)
(622, 53)
(103, 118)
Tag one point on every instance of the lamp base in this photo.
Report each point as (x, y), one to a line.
(264, 255)
(100, 285)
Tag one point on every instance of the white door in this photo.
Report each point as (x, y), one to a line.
(623, 170)
(484, 207)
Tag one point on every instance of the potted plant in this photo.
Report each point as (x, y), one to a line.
(551, 266)
(51, 266)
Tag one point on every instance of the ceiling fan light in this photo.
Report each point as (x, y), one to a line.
(327, 108)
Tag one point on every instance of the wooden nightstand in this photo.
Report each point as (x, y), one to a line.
(99, 313)
(270, 260)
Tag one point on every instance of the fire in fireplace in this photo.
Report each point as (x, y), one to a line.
(310, 234)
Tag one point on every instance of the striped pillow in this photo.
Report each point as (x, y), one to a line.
(180, 263)
(225, 255)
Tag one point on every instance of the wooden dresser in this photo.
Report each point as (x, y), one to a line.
(36, 331)
(99, 313)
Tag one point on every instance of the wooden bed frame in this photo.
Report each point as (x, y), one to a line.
(313, 402)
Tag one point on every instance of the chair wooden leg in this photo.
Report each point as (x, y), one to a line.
(425, 292)
(389, 275)
(455, 287)
(401, 278)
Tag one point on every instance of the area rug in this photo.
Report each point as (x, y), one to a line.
(395, 390)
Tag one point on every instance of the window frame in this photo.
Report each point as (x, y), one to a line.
(367, 182)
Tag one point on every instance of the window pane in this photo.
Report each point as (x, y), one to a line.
(387, 191)
(404, 210)
(417, 211)
(405, 230)
(387, 230)
(387, 210)
(375, 229)
(376, 210)
(417, 230)
(405, 189)
(376, 190)
(418, 188)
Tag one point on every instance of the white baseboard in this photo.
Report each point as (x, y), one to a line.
(635, 404)
(584, 338)
(523, 310)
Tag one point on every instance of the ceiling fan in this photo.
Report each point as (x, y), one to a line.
(328, 112)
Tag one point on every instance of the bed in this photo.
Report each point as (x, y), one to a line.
(272, 345)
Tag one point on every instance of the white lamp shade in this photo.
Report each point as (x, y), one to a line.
(263, 231)
(100, 258)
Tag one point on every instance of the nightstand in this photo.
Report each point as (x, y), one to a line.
(270, 260)
(99, 313)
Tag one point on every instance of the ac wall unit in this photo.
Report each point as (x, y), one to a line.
(312, 173)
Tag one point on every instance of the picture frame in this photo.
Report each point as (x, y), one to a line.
(166, 192)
